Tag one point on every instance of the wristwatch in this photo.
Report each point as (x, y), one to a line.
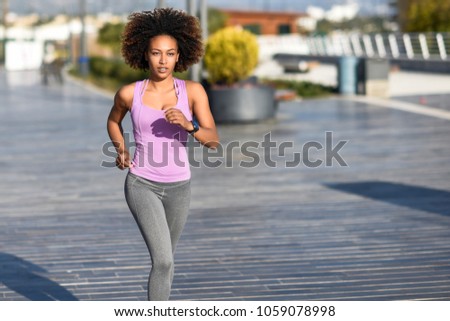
(196, 127)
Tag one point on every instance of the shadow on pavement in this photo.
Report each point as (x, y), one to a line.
(22, 277)
(416, 197)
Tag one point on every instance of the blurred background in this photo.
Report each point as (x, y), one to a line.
(84, 35)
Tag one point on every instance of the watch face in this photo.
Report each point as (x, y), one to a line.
(195, 124)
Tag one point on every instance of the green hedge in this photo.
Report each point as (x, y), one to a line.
(100, 67)
(304, 89)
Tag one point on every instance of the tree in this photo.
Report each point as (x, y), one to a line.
(216, 20)
(424, 16)
(110, 35)
(362, 24)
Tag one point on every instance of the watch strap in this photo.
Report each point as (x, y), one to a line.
(195, 127)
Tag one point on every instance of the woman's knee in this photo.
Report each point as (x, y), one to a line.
(163, 265)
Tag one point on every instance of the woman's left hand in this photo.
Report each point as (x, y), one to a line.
(176, 117)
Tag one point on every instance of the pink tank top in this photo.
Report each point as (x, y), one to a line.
(160, 153)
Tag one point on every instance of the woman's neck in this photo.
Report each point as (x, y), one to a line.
(161, 85)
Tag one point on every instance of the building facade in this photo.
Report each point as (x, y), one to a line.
(265, 22)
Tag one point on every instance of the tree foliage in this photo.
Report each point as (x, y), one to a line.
(110, 35)
(362, 24)
(427, 16)
(216, 20)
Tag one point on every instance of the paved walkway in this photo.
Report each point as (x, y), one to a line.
(377, 229)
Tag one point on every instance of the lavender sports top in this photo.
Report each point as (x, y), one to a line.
(160, 153)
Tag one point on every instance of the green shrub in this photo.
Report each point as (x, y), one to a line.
(110, 36)
(100, 67)
(231, 55)
(303, 89)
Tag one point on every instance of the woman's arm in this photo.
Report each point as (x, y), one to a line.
(122, 104)
(198, 99)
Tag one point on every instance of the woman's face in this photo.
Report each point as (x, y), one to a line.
(162, 55)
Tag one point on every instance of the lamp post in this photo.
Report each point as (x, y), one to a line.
(204, 18)
(83, 59)
(5, 9)
(204, 25)
(161, 3)
(194, 71)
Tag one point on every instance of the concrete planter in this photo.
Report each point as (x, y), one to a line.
(250, 103)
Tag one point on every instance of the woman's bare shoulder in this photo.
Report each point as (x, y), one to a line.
(125, 94)
(194, 87)
(126, 91)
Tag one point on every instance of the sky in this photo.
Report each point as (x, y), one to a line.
(51, 7)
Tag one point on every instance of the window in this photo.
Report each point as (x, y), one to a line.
(284, 29)
(254, 28)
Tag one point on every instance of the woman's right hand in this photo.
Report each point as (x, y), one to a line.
(123, 160)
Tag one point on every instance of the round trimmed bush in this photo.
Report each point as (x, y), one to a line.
(231, 55)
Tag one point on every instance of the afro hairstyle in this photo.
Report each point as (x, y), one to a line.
(143, 26)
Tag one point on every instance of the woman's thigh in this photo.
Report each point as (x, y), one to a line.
(149, 212)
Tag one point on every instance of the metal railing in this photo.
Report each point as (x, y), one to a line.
(422, 46)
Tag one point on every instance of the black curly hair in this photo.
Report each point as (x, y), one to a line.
(143, 26)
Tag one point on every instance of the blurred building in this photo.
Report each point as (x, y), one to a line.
(265, 22)
(28, 37)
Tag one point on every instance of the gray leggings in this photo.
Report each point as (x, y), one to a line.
(160, 211)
